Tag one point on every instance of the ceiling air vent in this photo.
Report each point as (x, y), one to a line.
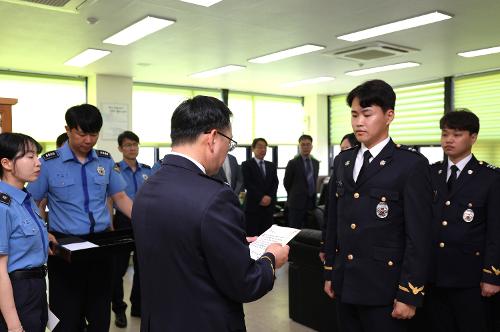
(71, 6)
(370, 52)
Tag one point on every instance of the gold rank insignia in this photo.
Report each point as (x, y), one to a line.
(101, 171)
(497, 271)
(415, 290)
(328, 268)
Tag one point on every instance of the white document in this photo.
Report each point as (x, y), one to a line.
(275, 234)
(79, 245)
(52, 322)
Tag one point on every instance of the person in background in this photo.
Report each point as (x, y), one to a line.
(61, 139)
(230, 173)
(466, 244)
(77, 180)
(348, 141)
(135, 174)
(24, 241)
(260, 179)
(301, 176)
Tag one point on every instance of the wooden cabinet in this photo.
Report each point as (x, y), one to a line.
(6, 114)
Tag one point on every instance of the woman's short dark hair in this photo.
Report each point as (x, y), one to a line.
(374, 92)
(351, 138)
(257, 140)
(197, 116)
(61, 139)
(86, 116)
(14, 146)
(460, 119)
(127, 134)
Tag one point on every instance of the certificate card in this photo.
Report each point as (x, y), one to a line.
(275, 234)
(79, 246)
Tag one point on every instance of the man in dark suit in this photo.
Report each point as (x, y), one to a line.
(260, 179)
(466, 269)
(230, 172)
(379, 221)
(301, 176)
(196, 269)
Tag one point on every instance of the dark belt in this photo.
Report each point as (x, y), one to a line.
(34, 273)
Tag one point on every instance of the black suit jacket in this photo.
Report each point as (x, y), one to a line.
(236, 175)
(466, 226)
(196, 269)
(257, 186)
(379, 228)
(295, 182)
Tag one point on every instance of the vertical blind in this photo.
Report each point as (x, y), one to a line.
(418, 110)
(481, 95)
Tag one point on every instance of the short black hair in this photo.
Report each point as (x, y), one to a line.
(303, 137)
(61, 139)
(460, 119)
(86, 116)
(127, 134)
(374, 92)
(257, 140)
(14, 146)
(196, 116)
(351, 138)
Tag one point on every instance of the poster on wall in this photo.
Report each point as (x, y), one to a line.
(115, 117)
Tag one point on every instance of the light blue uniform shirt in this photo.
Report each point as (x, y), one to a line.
(23, 234)
(156, 166)
(77, 192)
(134, 179)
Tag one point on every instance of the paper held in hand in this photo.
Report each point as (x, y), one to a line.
(275, 234)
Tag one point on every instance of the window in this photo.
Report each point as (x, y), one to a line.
(42, 102)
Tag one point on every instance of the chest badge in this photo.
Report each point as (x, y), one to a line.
(347, 163)
(101, 171)
(382, 163)
(145, 177)
(382, 210)
(468, 215)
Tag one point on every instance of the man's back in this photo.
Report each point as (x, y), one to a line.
(195, 264)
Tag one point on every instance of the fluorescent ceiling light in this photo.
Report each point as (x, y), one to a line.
(287, 53)
(204, 3)
(138, 30)
(308, 81)
(217, 71)
(396, 26)
(88, 56)
(484, 51)
(382, 68)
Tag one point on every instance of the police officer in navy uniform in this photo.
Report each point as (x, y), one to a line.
(77, 180)
(379, 219)
(24, 243)
(134, 174)
(466, 269)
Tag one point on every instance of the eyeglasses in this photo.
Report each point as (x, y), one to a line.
(130, 145)
(232, 143)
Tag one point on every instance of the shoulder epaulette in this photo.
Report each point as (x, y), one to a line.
(50, 155)
(348, 149)
(5, 199)
(102, 153)
(146, 166)
(408, 148)
(437, 163)
(490, 166)
(211, 178)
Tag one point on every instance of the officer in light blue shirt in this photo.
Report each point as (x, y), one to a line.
(77, 180)
(156, 166)
(24, 243)
(134, 174)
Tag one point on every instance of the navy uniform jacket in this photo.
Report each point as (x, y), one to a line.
(295, 181)
(466, 226)
(196, 269)
(257, 186)
(375, 255)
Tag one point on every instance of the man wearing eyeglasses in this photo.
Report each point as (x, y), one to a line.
(196, 269)
(134, 174)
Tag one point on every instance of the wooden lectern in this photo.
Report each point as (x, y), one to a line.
(6, 114)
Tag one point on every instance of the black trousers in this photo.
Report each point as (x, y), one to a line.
(365, 318)
(259, 221)
(31, 304)
(458, 310)
(80, 292)
(121, 262)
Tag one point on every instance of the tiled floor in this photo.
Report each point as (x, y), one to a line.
(269, 314)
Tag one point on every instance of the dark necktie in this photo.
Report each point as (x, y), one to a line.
(310, 179)
(262, 168)
(453, 177)
(366, 161)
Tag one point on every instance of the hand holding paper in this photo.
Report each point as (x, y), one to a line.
(275, 234)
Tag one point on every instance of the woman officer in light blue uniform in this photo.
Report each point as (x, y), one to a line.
(24, 243)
